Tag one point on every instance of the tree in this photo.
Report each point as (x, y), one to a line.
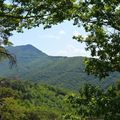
(95, 103)
(100, 18)
(19, 14)
(15, 15)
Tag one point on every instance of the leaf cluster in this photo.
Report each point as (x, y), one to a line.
(95, 103)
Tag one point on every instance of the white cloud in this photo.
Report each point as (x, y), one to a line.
(50, 37)
(62, 32)
(71, 51)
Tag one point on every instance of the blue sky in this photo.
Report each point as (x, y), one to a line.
(56, 41)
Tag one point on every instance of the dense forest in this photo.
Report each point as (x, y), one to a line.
(24, 100)
(29, 101)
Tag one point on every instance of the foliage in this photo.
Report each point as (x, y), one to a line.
(101, 20)
(5, 54)
(15, 15)
(95, 103)
(21, 100)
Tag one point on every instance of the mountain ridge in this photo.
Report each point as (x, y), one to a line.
(35, 65)
(27, 49)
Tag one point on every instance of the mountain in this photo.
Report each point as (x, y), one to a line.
(34, 65)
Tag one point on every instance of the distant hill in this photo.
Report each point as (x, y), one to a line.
(34, 65)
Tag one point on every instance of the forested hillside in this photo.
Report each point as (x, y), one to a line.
(34, 65)
(21, 100)
(24, 100)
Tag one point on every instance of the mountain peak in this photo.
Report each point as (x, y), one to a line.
(27, 45)
(26, 50)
